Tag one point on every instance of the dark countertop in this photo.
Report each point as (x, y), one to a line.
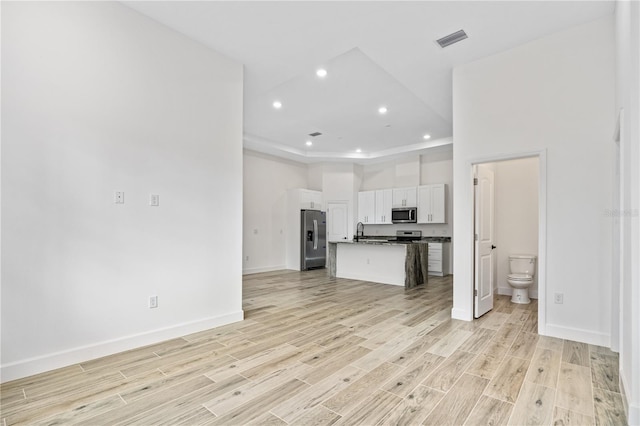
(371, 242)
(384, 240)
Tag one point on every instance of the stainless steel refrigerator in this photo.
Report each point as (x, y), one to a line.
(313, 233)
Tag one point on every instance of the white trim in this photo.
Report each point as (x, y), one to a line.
(35, 365)
(270, 147)
(461, 314)
(542, 230)
(617, 228)
(633, 411)
(578, 335)
(250, 271)
(623, 392)
(542, 242)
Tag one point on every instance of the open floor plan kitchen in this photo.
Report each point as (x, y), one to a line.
(320, 212)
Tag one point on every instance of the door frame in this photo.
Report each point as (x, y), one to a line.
(542, 227)
(618, 250)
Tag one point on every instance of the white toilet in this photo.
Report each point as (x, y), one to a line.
(522, 268)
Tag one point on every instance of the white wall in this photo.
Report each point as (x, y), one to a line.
(314, 176)
(516, 216)
(97, 98)
(265, 185)
(628, 97)
(555, 94)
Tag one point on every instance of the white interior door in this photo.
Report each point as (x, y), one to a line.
(484, 241)
(337, 220)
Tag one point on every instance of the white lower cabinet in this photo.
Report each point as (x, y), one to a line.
(439, 259)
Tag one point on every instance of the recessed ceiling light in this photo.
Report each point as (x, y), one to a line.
(322, 73)
(309, 143)
(427, 136)
(277, 104)
(382, 110)
(358, 150)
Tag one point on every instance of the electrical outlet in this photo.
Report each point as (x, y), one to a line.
(558, 298)
(153, 302)
(367, 260)
(154, 200)
(255, 231)
(246, 258)
(118, 197)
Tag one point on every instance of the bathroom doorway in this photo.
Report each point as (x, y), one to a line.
(507, 221)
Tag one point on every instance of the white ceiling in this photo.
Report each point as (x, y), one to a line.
(380, 53)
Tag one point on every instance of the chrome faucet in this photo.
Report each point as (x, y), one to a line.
(359, 230)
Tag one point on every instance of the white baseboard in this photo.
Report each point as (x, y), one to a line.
(250, 271)
(508, 291)
(632, 410)
(633, 415)
(461, 314)
(578, 335)
(40, 364)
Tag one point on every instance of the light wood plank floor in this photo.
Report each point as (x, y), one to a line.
(315, 350)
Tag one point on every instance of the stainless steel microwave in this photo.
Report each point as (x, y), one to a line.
(404, 215)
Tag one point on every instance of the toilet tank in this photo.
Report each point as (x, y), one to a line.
(522, 264)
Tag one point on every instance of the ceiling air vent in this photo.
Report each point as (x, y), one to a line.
(452, 38)
(314, 134)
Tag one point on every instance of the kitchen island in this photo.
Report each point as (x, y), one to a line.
(380, 261)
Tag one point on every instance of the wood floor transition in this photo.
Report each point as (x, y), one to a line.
(315, 350)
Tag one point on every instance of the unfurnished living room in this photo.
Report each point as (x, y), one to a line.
(310, 212)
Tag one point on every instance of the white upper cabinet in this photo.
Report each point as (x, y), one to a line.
(383, 206)
(310, 199)
(367, 207)
(405, 197)
(431, 204)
